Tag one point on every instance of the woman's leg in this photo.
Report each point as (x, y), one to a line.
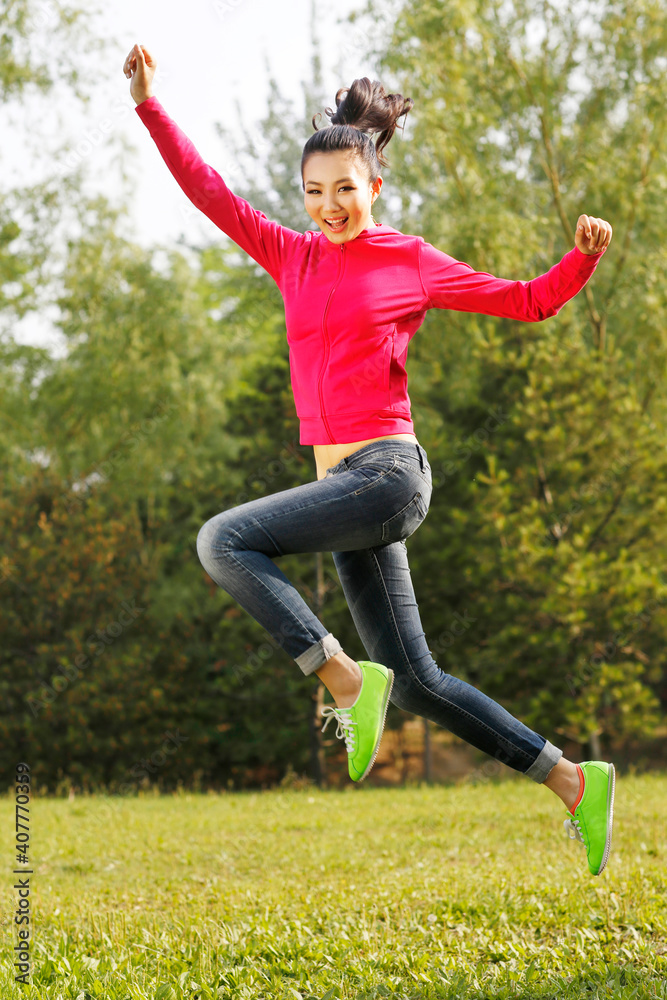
(564, 781)
(365, 502)
(379, 591)
(341, 676)
(237, 548)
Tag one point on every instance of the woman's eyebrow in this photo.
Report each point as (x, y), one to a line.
(339, 181)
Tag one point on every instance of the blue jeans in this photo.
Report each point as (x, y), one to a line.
(361, 512)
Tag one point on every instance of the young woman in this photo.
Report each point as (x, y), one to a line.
(355, 293)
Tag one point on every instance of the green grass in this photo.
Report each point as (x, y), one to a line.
(460, 891)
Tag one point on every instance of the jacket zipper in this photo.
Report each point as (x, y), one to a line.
(327, 345)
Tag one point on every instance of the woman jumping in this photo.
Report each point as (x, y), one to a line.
(355, 293)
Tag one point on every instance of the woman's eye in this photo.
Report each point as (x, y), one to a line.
(315, 191)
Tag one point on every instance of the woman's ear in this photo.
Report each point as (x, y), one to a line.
(375, 189)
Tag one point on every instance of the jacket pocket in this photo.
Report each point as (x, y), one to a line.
(388, 357)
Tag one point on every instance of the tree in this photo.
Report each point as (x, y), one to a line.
(170, 403)
(535, 569)
(43, 46)
(545, 439)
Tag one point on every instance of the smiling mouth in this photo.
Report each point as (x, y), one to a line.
(338, 225)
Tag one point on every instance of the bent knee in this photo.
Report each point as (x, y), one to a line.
(204, 542)
(410, 691)
(214, 538)
(403, 691)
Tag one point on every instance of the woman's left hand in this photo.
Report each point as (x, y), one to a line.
(592, 235)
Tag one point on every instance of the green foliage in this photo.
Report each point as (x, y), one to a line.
(546, 440)
(72, 666)
(171, 402)
(43, 45)
(145, 423)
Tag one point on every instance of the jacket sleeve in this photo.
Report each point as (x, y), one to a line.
(265, 241)
(451, 284)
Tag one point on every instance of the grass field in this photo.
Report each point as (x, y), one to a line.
(470, 890)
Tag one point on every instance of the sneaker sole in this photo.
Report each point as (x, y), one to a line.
(385, 706)
(611, 785)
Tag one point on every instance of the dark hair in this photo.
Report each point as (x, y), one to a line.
(365, 110)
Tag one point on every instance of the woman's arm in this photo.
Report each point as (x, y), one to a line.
(452, 284)
(267, 242)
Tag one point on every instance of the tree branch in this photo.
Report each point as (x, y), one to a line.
(639, 190)
(451, 167)
(551, 171)
(608, 516)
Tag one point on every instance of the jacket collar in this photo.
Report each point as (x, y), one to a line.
(366, 234)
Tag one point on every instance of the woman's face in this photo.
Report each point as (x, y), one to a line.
(337, 187)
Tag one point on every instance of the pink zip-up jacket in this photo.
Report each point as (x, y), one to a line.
(351, 309)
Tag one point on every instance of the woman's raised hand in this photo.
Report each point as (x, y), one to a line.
(140, 65)
(592, 235)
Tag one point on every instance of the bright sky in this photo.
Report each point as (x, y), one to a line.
(210, 53)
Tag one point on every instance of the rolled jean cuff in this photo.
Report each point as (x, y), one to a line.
(318, 654)
(547, 758)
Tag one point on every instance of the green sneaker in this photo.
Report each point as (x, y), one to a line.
(361, 724)
(593, 815)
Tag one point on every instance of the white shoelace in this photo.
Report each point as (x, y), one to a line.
(344, 729)
(573, 829)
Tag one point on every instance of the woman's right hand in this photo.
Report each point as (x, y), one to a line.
(140, 65)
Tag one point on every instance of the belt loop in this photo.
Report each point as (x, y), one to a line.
(421, 460)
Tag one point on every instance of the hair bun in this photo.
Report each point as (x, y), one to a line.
(368, 108)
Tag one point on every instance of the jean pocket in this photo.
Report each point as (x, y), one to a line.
(412, 465)
(406, 521)
(374, 472)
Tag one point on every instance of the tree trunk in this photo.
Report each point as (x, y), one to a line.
(318, 764)
(427, 752)
(594, 748)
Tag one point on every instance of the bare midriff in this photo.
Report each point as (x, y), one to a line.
(327, 455)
